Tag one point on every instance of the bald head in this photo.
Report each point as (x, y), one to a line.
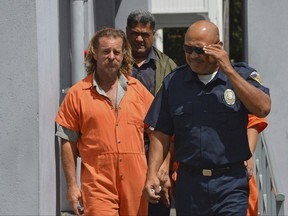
(200, 34)
(203, 31)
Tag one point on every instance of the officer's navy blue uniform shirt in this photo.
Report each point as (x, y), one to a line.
(209, 131)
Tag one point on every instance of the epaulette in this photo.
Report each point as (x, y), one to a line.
(251, 72)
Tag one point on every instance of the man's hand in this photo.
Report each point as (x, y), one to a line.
(166, 186)
(152, 189)
(217, 52)
(250, 166)
(73, 197)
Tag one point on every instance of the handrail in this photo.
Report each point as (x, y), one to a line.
(271, 201)
(270, 166)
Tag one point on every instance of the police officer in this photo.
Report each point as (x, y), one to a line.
(205, 105)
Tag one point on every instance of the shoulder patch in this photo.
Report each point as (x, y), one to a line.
(256, 76)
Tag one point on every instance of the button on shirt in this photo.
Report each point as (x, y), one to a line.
(209, 131)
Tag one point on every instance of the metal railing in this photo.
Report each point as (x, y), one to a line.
(271, 201)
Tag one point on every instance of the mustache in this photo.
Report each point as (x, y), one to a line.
(111, 62)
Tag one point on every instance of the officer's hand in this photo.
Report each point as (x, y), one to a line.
(74, 197)
(152, 188)
(217, 52)
(166, 186)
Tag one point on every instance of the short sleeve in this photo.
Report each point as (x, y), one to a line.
(158, 115)
(66, 133)
(259, 123)
(68, 115)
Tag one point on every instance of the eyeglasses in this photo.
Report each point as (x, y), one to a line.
(191, 49)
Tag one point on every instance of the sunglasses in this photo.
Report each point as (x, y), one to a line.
(191, 49)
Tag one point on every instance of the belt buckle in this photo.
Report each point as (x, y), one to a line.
(207, 172)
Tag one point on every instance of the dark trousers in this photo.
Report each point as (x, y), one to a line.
(225, 194)
(158, 209)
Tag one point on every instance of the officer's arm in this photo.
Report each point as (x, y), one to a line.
(165, 167)
(163, 173)
(158, 150)
(255, 100)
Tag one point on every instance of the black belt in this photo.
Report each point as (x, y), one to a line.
(211, 171)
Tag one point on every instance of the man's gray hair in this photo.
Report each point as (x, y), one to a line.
(140, 16)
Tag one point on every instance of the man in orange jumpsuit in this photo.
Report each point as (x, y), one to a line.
(102, 118)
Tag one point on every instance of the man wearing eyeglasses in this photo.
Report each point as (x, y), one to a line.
(150, 68)
(205, 105)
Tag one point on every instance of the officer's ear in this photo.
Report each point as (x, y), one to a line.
(221, 43)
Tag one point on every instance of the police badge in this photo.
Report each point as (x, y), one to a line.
(229, 96)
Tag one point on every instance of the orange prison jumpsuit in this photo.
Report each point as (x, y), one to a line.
(252, 210)
(113, 167)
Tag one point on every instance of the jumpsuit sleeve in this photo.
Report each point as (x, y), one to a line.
(68, 115)
(260, 123)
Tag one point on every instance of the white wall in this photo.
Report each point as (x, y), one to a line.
(48, 100)
(29, 97)
(19, 165)
(267, 52)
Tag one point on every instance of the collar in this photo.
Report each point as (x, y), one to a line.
(90, 82)
(221, 75)
(123, 82)
(190, 75)
(150, 57)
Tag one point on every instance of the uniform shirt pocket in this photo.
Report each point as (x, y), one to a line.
(185, 116)
(229, 117)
